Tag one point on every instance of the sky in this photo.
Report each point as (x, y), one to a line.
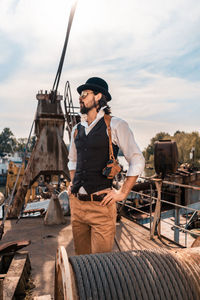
(148, 51)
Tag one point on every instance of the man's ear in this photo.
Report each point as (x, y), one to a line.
(98, 97)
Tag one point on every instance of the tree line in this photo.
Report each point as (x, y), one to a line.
(187, 144)
(10, 144)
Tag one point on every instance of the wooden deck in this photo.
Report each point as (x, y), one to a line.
(132, 236)
(46, 239)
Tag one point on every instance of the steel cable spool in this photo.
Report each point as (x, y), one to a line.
(141, 274)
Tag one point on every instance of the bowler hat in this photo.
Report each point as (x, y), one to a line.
(96, 84)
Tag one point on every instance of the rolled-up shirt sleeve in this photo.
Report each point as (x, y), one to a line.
(124, 138)
(72, 152)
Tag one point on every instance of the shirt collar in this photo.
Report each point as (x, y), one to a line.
(84, 122)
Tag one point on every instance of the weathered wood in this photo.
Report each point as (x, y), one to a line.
(63, 283)
(44, 297)
(132, 236)
(196, 243)
(15, 281)
(5, 262)
(1, 289)
(13, 246)
(156, 219)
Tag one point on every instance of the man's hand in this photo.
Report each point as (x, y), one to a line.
(118, 195)
(111, 197)
(69, 190)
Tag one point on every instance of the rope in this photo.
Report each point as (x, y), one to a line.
(133, 275)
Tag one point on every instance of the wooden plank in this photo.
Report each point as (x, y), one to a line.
(133, 236)
(1, 289)
(13, 246)
(156, 219)
(44, 297)
(14, 279)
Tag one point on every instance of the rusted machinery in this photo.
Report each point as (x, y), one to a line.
(12, 175)
(165, 157)
(50, 154)
(141, 274)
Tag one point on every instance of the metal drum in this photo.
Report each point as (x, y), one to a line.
(165, 157)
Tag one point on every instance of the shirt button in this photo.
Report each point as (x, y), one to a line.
(85, 149)
(85, 160)
(82, 181)
(84, 171)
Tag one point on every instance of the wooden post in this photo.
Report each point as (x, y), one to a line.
(1, 289)
(156, 219)
(177, 216)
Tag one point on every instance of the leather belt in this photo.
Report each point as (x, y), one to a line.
(86, 197)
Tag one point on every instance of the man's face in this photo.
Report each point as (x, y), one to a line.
(88, 100)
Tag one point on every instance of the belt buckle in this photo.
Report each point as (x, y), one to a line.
(91, 197)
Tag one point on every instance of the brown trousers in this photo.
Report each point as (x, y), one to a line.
(93, 226)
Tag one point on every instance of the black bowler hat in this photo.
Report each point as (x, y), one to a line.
(96, 84)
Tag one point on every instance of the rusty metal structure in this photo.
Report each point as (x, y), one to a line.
(165, 157)
(71, 115)
(50, 154)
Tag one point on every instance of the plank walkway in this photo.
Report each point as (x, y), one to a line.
(132, 236)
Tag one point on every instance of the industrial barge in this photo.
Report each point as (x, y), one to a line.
(157, 245)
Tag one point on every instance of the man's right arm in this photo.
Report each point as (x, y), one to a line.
(72, 159)
(72, 173)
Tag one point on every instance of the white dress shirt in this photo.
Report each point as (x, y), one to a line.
(122, 136)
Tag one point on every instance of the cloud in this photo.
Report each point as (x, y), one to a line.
(148, 51)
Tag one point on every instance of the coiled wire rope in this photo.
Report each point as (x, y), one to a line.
(142, 274)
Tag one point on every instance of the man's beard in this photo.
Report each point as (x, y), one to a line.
(85, 110)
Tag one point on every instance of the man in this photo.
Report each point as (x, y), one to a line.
(92, 199)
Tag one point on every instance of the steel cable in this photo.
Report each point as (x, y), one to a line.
(121, 270)
(104, 290)
(116, 275)
(88, 280)
(108, 276)
(95, 280)
(160, 275)
(168, 277)
(79, 278)
(143, 281)
(187, 284)
(151, 275)
(129, 291)
(133, 275)
(179, 276)
(137, 291)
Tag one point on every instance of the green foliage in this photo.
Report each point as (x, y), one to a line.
(185, 142)
(9, 144)
(7, 141)
(149, 151)
(21, 144)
